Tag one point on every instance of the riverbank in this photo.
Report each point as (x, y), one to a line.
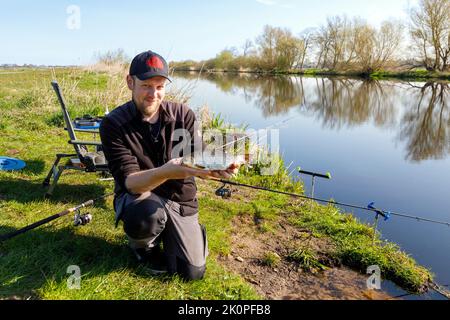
(322, 237)
(418, 75)
(404, 75)
(255, 238)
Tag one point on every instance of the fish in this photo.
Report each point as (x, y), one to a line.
(213, 163)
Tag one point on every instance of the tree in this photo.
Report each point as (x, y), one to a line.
(278, 48)
(267, 45)
(375, 49)
(248, 48)
(344, 44)
(430, 31)
(306, 39)
(388, 40)
(332, 42)
(224, 58)
(288, 50)
(322, 43)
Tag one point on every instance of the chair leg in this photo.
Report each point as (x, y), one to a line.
(51, 173)
(59, 171)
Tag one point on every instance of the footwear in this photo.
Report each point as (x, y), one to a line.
(153, 258)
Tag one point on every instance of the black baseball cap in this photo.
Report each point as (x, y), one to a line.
(149, 64)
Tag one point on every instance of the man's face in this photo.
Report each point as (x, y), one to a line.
(147, 94)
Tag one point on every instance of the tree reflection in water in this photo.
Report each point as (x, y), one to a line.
(340, 103)
(425, 126)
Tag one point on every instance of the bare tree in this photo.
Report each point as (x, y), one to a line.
(375, 49)
(322, 43)
(334, 43)
(339, 32)
(267, 44)
(306, 39)
(344, 44)
(389, 39)
(430, 31)
(247, 48)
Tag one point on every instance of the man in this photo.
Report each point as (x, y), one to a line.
(155, 192)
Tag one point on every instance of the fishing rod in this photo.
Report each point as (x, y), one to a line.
(433, 286)
(226, 193)
(79, 219)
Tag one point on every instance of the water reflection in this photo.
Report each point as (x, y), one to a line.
(340, 103)
(419, 111)
(273, 95)
(425, 126)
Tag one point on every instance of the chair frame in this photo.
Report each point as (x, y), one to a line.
(80, 147)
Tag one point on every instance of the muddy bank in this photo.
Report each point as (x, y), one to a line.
(287, 280)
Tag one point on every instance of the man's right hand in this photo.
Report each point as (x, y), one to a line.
(175, 170)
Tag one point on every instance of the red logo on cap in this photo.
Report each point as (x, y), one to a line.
(155, 62)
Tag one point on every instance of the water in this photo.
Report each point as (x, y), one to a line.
(382, 141)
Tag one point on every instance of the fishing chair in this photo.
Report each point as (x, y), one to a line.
(82, 159)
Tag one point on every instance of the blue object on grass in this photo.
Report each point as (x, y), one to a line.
(88, 122)
(89, 128)
(11, 164)
(93, 126)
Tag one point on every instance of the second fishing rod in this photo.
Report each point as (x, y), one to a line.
(226, 193)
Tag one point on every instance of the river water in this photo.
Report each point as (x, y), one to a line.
(384, 141)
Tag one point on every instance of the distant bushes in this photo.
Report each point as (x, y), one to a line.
(348, 45)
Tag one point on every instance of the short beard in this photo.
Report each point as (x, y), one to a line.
(143, 109)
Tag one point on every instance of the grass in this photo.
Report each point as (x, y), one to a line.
(381, 74)
(271, 259)
(355, 247)
(35, 264)
(414, 74)
(307, 259)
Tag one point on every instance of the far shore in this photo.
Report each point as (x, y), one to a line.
(409, 75)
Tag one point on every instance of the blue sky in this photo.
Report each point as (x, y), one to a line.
(36, 31)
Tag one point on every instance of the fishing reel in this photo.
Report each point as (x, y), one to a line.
(82, 219)
(224, 192)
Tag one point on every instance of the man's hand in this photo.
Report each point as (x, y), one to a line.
(141, 182)
(174, 170)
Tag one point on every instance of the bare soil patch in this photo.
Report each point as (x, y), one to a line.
(287, 280)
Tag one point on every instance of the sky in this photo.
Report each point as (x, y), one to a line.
(71, 32)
